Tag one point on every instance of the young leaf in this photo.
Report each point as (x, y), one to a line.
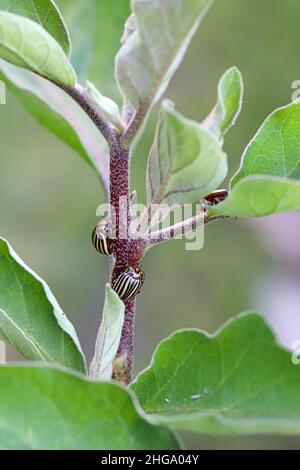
(96, 27)
(228, 107)
(258, 196)
(55, 111)
(109, 335)
(275, 148)
(130, 27)
(26, 44)
(108, 109)
(151, 55)
(186, 161)
(44, 408)
(236, 381)
(45, 13)
(31, 319)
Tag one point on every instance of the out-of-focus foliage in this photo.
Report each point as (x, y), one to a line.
(154, 50)
(45, 13)
(45, 113)
(96, 28)
(57, 112)
(25, 43)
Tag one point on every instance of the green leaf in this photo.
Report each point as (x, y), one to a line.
(265, 183)
(26, 44)
(55, 111)
(236, 381)
(44, 113)
(275, 148)
(96, 27)
(258, 196)
(153, 52)
(229, 104)
(186, 161)
(31, 319)
(44, 408)
(109, 336)
(43, 12)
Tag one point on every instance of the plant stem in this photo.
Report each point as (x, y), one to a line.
(128, 252)
(133, 127)
(81, 96)
(189, 225)
(123, 363)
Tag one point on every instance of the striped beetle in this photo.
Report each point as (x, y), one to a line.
(216, 197)
(101, 237)
(128, 283)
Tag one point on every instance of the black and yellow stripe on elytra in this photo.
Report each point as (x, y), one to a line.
(128, 284)
(101, 238)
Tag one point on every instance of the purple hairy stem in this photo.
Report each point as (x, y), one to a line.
(123, 363)
(128, 252)
(119, 201)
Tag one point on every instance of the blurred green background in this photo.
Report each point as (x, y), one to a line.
(48, 195)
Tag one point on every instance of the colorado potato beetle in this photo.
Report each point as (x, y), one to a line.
(102, 238)
(216, 197)
(128, 283)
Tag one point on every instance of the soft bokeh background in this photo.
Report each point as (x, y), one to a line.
(48, 198)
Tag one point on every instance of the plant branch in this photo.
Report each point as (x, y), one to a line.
(134, 126)
(83, 99)
(178, 230)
